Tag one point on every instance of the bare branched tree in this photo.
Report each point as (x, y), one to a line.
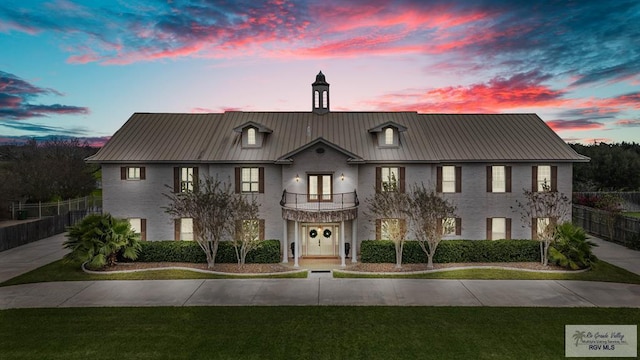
(393, 208)
(542, 211)
(247, 229)
(428, 209)
(214, 208)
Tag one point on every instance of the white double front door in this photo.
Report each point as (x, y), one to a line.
(320, 239)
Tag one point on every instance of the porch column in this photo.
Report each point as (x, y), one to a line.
(342, 256)
(297, 247)
(354, 240)
(285, 243)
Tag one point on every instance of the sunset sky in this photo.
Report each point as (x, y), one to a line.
(81, 68)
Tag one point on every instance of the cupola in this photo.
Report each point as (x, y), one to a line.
(320, 95)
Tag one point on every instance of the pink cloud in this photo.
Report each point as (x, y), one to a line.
(574, 125)
(518, 91)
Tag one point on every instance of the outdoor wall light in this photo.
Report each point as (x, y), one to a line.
(297, 178)
(342, 176)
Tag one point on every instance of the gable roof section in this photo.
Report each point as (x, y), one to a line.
(387, 124)
(261, 128)
(435, 138)
(286, 158)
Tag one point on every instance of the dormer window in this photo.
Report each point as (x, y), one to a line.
(251, 136)
(388, 136)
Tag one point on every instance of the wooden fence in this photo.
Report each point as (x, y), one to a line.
(30, 231)
(624, 230)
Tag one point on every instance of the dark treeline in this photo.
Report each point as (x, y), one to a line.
(48, 171)
(613, 167)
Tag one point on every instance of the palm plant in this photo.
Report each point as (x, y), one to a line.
(98, 240)
(571, 249)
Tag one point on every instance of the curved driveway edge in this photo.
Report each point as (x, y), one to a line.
(322, 291)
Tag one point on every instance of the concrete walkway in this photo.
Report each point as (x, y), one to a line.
(318, 289)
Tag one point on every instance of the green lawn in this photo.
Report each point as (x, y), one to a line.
(602, 271)
(633, 214)
(295, 332)
(63, 271)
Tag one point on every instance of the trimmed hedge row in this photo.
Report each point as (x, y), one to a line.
(453, 251)
(190, 251)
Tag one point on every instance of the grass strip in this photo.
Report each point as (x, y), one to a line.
(601, 271)
(64, 271)
(295, 332)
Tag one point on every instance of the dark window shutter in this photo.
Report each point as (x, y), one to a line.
(261, 225)
(403, 226)
(123, 173)
(458, 179)
(554, 178)
(507, 174)
(238, 174)
(143, 229)
(378, 179)
(508, 230)
(439, 179)
(261, 180)
(143, 173)
(534, 178)
(401, 175)
(196, 176)
(489, 179)
(534, 229)
(176, 227)
(489, 228)
(176, 179)
(378, 229)
(458, 226)
(439, 226)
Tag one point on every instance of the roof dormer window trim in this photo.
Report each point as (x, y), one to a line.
(252, 134)
(389, 136)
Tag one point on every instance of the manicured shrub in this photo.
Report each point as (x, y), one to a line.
(454, 251)
(190, 251)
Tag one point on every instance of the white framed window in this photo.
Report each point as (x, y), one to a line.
(133, 173)
(186, 229)
(136, 225)
(250, 180)
(251, 136)
(325, 99)
(388, 136)
(544, 178)
(250, 230)
(542, 226)
(390, 177)
(316, 99)
(390, 228)
(186, 179)
(498, 179)
(449, 179)
(498, 228)
(448, 226)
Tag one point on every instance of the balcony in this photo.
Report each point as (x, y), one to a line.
(319, 207)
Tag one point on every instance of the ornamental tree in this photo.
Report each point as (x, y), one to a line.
(542, 210)
(215, 210)
(393, 208)
(428, 209)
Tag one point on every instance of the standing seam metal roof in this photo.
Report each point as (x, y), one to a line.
(184, 138)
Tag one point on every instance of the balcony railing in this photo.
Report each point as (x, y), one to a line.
(307, 202)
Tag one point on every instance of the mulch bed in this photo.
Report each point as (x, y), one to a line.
(363, 267)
